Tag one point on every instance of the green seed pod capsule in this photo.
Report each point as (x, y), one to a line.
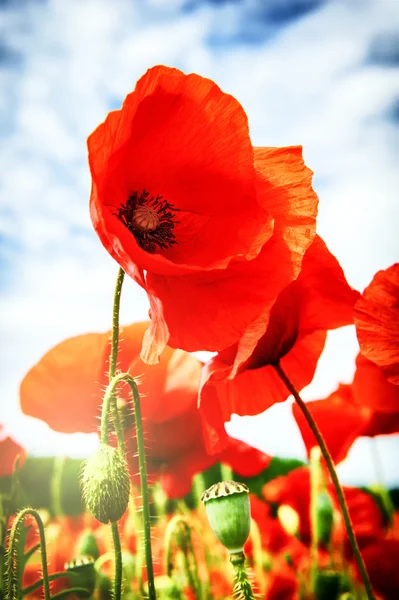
(87, 545)
(106, 484)
(82, 574)
(228, 509)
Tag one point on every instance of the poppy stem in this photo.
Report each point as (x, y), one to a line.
(113, 359)
(144, 486)
(109, 394)
(242, 585)
(179, 529)
(118, 562)
(15, 569)
(333, 474)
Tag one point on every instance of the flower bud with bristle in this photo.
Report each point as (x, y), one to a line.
(228, 510)
(106, 484)
(82, 574)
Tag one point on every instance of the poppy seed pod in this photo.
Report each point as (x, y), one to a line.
(228, 510)
(82, 574)
(106, 484)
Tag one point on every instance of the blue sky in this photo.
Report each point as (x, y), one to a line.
(323, 74)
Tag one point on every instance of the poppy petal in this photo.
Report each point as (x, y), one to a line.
(339, 420)
(376, 317)
(372, 389)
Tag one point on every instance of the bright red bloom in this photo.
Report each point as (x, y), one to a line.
(9, 452)
(376, 317)
(65, 388)
(294, 490)
(372, 389)
(340, 421)
(212, 228)
(367, 407)
(382, 559)
(319, 300)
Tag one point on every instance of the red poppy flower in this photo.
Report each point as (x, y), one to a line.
(65, 388)
(372, 389)
(319, 300)
(9, 452)
(192, 457)
(294, 490)
(376, 317)
(209, 226)
(340, 421)
(364, 408)
(382, 559)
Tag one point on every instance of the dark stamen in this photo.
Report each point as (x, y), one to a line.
(150, 219)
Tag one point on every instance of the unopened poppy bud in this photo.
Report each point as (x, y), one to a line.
(325, 517)
(327, 585)
(228, 509)
(106, 484)
(82, 574)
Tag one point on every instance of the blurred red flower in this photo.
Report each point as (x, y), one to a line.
(65, 387)
(382, 559)
(376, 317)
(364, 408)
(212, 228)
(9, 452)
(294, 490)
(294, 335)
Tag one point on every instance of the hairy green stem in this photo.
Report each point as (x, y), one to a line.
(69, 591)
(242, 586)
(13, 576)
(144, 486)
(118, 562)
(315, 476)
(334, 477)
(113, 359)
(142, 466)
(179, 529)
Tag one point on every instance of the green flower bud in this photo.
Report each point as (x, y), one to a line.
(82, 574)
(228, 509)
(325, 517)
(106, 484)
(327, 585)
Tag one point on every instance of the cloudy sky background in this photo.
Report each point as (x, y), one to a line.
(323, 74)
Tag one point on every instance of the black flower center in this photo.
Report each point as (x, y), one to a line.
(150, 219)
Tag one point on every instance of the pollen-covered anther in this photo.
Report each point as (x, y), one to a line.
(151, 219)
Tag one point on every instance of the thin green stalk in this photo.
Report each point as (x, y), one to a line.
(179, 529)
(118, 562)
(113, 359)
(142, 466)
(69, 591)
(333, 474)
(12, 576)
(107, 403)
(315, 469)
(144, 487)
(39, 583)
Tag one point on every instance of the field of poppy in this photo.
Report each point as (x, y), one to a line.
(222, 237)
